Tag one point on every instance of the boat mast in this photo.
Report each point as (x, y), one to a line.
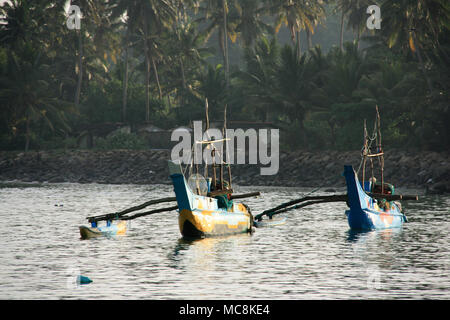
(226, 147)
(365, 152)
(380, 150)
(206, 130)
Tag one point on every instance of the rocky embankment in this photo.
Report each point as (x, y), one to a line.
(303, 169)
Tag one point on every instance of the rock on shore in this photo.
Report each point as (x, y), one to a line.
(429, 170)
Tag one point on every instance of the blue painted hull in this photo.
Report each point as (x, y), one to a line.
(364, 212)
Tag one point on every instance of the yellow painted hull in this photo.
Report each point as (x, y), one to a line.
(209, 223)
(203, 216)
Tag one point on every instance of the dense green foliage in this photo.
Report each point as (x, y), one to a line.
(155, 61)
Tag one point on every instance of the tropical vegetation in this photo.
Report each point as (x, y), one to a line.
(311, 68)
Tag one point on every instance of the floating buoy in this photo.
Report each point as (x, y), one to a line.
(83, 280)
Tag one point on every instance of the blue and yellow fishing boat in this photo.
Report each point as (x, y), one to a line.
(109, 229)
(206, 216)
(366, 212)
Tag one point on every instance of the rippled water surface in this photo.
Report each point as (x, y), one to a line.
(312, 256)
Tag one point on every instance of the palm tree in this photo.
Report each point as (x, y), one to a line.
(343, 6)
(297, 15)
(357, 16)
(28, 89)
(295, 85)
(96, 40)
(259, 80)
(127, 11)
(337, 79)
(250, 26)
(154, 16)
(212, 87)
(414, 24)
(22, 21)
(184, 48)
(216, 13)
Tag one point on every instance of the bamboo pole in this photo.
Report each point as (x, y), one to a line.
(391, 197)
(226, 146)
(110, 216)
(116, 215)
(380, 150)
(245, 195)
(333, 198)
(301, 205)
(142, 214)
(294, 204)
(365, 152)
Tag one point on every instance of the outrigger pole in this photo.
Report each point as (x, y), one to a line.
(309, 200)
(121, 215)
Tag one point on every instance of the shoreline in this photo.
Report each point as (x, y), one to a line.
(430, 170)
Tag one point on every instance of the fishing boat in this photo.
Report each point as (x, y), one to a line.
(367, 212)
(206, 216)
(205, 202)
(372, 205)
(110, 229)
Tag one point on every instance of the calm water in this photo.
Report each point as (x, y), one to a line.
(312, 256)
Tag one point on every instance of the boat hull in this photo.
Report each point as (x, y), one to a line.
(371, 220)
(364, 212)
(118, 228)
(207, 223)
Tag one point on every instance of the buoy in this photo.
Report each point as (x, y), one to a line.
(83, 280)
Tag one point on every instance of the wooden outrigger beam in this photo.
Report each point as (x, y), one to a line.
(116, 215)
(121, 214)
(142, 214)
(309, 200)
(391, 197)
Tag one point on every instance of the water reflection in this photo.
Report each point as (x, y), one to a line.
(206, 253)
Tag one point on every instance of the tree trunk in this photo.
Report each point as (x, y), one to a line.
(80, 69)
(157, 78)
(147, 87)
(147, 71)
(183, 78)
(27, 134)
(358, 37)
(225, 42)
(125, 81)
(309, 39)
(422, 66)
(341, 41)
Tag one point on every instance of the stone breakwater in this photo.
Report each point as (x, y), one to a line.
(300, 168)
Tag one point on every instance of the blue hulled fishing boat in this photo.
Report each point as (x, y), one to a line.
(372, 205)
(366, 212)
